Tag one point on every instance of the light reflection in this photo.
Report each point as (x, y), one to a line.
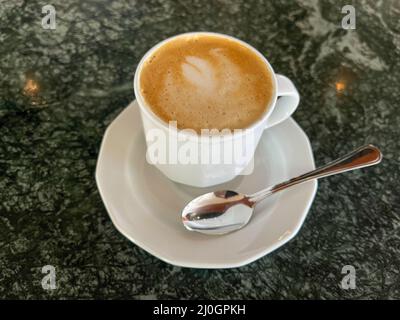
(31, 87)
(286, 234)
(32, 90)
(340, 86)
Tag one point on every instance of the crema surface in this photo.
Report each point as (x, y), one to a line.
(206, 82)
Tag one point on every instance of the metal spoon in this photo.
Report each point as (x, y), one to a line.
(225, 211)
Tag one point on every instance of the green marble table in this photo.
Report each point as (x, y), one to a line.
(59, 89)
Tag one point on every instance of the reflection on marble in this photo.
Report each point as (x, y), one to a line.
(59, 89)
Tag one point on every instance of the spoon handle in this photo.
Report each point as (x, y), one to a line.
(362, 157)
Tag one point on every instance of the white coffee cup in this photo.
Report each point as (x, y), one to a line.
(204, 173)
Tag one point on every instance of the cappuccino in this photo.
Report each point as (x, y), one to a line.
(205, 81)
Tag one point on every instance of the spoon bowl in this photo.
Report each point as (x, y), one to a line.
(218, 212)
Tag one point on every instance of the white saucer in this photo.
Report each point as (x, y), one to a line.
(146, 207)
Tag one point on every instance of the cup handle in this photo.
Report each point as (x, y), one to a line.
(288, 100)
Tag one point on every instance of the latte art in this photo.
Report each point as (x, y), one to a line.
(206, 82)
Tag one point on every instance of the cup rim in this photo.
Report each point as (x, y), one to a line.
(194, 135)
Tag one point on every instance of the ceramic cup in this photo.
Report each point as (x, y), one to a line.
(206, 160)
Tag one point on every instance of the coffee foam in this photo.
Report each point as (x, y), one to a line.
(206, 82)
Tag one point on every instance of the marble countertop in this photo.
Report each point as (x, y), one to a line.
(59, 89)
